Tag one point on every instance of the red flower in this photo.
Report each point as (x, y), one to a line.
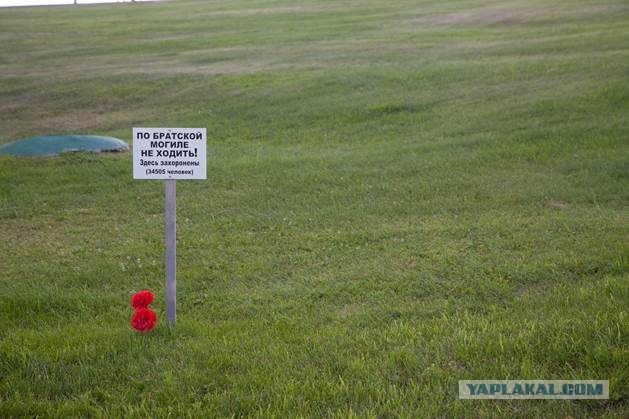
(142, 299)
(143, 320)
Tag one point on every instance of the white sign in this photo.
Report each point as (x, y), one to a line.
(169, 153)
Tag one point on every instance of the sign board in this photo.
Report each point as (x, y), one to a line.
(169, 153)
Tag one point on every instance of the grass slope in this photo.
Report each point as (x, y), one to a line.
(401, 194)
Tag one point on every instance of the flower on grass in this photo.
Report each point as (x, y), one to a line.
(143, 320)
(142, 299)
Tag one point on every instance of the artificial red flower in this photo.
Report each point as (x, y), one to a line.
(143, 320)
(142, 299)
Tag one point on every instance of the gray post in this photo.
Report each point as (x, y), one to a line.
(171, 252)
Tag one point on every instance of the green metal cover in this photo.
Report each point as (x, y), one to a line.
(53, 145)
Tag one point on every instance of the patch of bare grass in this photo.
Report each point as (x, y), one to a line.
(491, 16)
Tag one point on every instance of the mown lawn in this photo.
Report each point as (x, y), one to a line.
(401, 194)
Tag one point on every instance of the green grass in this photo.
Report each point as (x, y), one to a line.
(400, 195)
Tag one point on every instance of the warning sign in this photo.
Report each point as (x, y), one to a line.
(169, 153)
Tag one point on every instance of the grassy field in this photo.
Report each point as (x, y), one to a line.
(401, 194)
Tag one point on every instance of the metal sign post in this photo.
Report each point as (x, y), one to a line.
(170, 154)
(171, 251)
